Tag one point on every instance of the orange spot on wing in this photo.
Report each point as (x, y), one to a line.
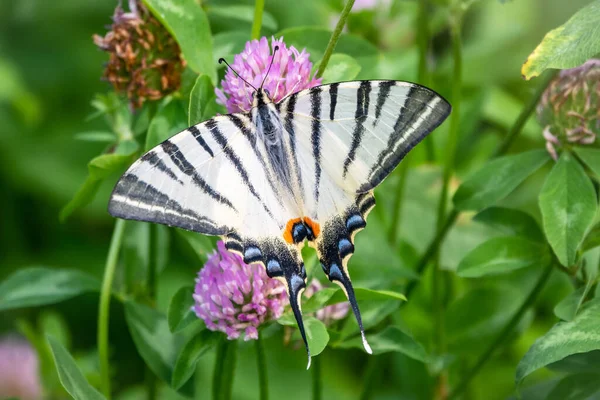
(313, 225)
(287, 232)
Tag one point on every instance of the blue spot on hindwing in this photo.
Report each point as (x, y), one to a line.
(274, 268)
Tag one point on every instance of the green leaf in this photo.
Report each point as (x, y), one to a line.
(592, 239)
(188, 24)
(564, 339)
(169, 120)
(391, 339)
(567, 308)
(576, 387)
(190, 354)
(511, 222)
(227, 44)
(569, 45)
(363, 294)
(501, 255)
(152, 338)
(496, 179)
(568, 204)
(99, 168)
(180, 313)
(474, 319)
(201, 244)
(70, 376)
(39, 286)
(341, 67)
(202, 101)
(96, 136)
(316, 335)
(591, 158)
(580, 362)
(242, 13)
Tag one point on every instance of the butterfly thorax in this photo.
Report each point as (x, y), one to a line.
(270, 131)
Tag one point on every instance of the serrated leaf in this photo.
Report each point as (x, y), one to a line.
(180, 313)
(188, 24)
(496, 179)
(69, 374)
(569, 45)
(341, 67)
(510, 221)
(190, 354)
(202, 101)
(391, 339)
(502, 255)
(564, 339)
(39, 286)
(568, 204)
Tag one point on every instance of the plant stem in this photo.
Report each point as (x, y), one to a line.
(370, 376)
(334, 38)
(262, 370)
(512, 134)
(151, 382)
(437, 286)
(218, 370)
(317, 385)
(422, 39)
(257, 22)
(508, 328)
(104, 307)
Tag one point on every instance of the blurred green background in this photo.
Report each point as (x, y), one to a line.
(49, 72)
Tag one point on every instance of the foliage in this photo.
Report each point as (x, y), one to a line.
(497, 298)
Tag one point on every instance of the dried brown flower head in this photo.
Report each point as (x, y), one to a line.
(145, 60)
(570, 107)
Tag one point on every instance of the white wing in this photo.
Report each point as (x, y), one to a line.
(349, 136)
(209, 178)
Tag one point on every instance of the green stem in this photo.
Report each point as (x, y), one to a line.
(104, 307)
(502, 336)
(262, 370)
(334, 38)
(218, 370)
(229, 369)
(317, 385)
(437, 297)
(257, 22)
(151, 381)
(422, 39)
(370, 377)
(513, 133)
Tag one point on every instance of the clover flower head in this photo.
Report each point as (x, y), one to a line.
(329, 314)
(234, 297)
(145, 60)
(289, 74)
(569, 109)
(19, 370)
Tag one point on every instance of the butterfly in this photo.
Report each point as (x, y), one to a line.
(299, 170)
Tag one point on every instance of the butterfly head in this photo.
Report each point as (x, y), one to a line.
(261, 97)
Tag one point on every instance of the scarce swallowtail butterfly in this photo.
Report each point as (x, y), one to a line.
(302, 169)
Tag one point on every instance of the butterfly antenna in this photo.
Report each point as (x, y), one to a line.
(222, 60)
(270, 65)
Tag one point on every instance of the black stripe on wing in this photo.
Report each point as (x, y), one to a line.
(153, 159)
(419, 102)
(213, 127)
(198, 136)
(361, 114)
(187, 168)
(135, 199)
(315, 137)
